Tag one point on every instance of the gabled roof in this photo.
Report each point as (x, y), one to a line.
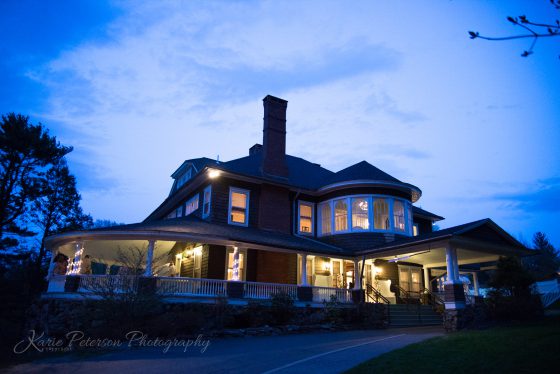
(302, 173)
(484, 230)
(197, 163)
(416, 211)
(360, 171)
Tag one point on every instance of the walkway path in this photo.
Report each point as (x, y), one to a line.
(301, 353)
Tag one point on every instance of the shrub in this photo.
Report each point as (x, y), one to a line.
(281, 308)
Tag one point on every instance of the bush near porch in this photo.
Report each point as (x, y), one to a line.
(114, 318)
(528, 348)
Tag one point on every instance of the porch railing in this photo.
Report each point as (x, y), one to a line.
(256, 290)
(191, 286)
(108, 284)
(322, 294)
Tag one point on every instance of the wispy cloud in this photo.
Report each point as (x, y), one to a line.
(543, 197)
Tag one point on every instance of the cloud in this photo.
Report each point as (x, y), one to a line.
(543, 197)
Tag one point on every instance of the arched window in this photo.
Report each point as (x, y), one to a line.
(398, 214)
(325, 218)
(360, 210)
(340, 215)
(381, 214)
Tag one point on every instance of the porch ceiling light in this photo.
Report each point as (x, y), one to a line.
(213, 173)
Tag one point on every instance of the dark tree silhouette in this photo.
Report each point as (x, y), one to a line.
(546, 261)
(26, 151)
(532, 30)
(59, 209)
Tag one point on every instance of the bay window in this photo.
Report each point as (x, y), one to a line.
(360, 213)
(340, 215)
(398, 215)
(325, 210)
(381, 214)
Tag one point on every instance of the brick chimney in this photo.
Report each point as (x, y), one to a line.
(274, 137)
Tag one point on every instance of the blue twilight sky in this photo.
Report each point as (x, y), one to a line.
(138, 87)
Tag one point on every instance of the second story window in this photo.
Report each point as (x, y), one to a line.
(381, 214)
(238, 206)
(207, 198)
(398, 214)
(305, 218)
(325, 210)
(360, 213)
(415, 229)
(340, 215)
(191, 205)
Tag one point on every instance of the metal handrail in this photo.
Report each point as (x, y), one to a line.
(434, 299)
(378, 296)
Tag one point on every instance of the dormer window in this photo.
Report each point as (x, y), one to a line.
(238, 206)
(184, 178)
(305, 218)
(207, 198)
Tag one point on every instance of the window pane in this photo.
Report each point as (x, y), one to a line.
(305, 225)
(340, 215)
(305, 218)
(326, 218)
(381, 214)
(239, 200)
(398, 213)
(237, 215)
(360, 218)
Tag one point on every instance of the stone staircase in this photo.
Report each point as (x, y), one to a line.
(401, 315)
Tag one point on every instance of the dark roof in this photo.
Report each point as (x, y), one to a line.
(361, 170)
(197, 227)
(302, 173)
(470, 229)
(198, 163)
(416, 211)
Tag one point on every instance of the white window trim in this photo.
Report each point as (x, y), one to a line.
(191, 200)
(312, 206)
(371, 200)
(209, 202)
(239, 190)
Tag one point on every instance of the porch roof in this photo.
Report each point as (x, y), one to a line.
(483, 235)
(191, 228)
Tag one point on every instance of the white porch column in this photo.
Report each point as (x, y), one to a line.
(303, 269)
(357, 279)
(452, 266)
(77, 260)
(235, 268)
(475, 283)
(149, 258)
(427, 278)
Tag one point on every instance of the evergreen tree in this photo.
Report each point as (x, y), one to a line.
(26, 152)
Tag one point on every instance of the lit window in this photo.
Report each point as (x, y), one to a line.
(207, 198)
(398, 214)
(325, 218)
(191, 205)
(381, 214)
(305, 218)
(360, 208)
(238, 206)
(415, 229)
(340, 215)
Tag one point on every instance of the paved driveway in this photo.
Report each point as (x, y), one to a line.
(302, 353)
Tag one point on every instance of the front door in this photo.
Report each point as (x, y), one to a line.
(410, 279)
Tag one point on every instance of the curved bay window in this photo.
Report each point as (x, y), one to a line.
(381, 214)
(398, 215)
(340, 215)
(360, 213)
(325, 218)
(365, 213)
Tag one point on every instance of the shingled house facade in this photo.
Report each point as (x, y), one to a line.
(270, 222)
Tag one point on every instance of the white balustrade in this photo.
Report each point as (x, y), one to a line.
(322, 294)
(257, 290)
(108, 283)
(191, 286)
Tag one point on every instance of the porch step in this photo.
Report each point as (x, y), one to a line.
(413, 315)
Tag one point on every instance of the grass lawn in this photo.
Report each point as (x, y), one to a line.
(530, 347)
